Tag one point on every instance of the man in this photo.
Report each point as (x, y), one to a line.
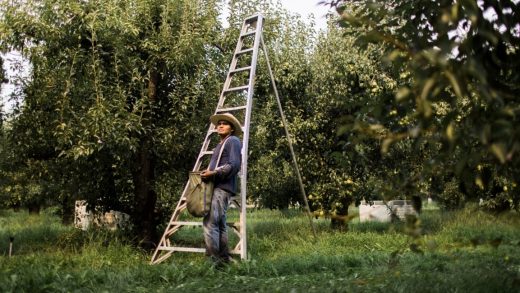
(225, 178)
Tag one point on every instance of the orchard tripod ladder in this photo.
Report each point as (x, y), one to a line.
(236, 98)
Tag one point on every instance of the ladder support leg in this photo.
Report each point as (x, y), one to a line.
(296, 167)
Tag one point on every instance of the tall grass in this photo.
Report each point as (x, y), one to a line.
(464, 251)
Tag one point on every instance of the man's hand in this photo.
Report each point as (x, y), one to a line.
(206, 174)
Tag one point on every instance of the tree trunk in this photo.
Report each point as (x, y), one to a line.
(341, 219)
(144, 176)
(145, 197)
(34, 208)
(16, 207)
(68, 211)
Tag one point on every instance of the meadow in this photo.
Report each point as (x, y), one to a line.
(445, 251)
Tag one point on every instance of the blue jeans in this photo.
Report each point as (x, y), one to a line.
(215, 229)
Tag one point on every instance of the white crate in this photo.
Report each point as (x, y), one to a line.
(112, 220)
(380, 212)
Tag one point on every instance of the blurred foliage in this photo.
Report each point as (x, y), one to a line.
(461, 59)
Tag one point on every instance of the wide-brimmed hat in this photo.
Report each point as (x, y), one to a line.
(229, 118)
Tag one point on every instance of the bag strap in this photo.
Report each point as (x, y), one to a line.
(221, 151)
(216, 166)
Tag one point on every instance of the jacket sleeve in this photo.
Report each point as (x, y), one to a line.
(231, 168)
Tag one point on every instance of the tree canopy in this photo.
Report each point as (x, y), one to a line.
(114, 86)
(395, 99)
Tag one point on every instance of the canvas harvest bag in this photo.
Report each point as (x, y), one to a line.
(198, 197)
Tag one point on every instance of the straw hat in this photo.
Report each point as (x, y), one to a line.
(229, 118)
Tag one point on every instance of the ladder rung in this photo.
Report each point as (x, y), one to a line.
(184, 249)
(206, 153)
(248, 34)
(231, 109)
(252, 17)
(244, 51)
(181, 223)
(240, 69)
(237, 89)
(191, 249)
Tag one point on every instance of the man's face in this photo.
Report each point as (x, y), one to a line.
(224, 128)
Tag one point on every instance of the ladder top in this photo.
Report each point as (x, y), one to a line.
(254, 17)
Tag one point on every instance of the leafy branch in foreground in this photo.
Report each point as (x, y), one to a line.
(461, 60)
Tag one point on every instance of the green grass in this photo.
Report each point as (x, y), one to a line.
(464, 251)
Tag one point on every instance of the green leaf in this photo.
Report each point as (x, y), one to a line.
(450, 132)
(387, 142)
(454, 83)
(402, 94)
(430, 82)
(499, 150)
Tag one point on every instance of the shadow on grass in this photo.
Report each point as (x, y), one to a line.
(30, 232)
(45, 232)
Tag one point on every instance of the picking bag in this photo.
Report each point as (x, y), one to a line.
(198, 199)
(199, 193)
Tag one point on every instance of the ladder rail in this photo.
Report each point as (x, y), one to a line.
(232, 66)
(175, 215)
(245, 143)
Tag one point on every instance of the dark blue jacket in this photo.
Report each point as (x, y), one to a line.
(229, 164)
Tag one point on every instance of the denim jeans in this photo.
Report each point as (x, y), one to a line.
(215, 229)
